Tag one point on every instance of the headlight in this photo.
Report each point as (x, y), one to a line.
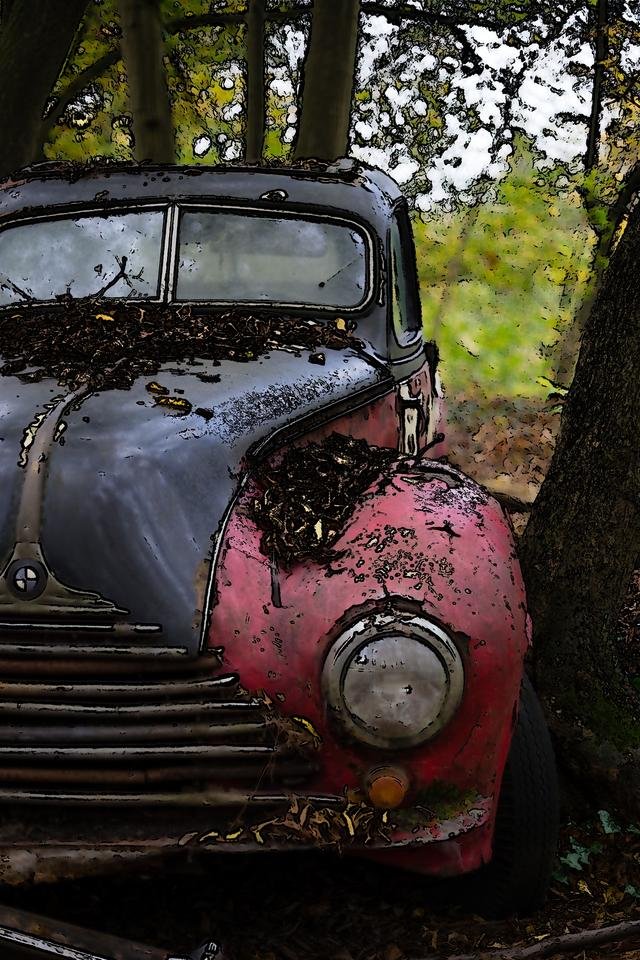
(393, 680)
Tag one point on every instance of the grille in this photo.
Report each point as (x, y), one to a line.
(128, 721)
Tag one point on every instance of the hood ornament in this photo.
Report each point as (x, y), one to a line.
(26, 579)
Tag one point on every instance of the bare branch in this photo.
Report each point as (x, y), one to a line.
(600, 55)
(120, 275)
(567, 943)
(79, 83)
(172, 27)
(7, 284)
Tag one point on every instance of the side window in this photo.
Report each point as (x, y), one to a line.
(406, 316)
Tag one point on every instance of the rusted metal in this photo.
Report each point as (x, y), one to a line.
(169, 690)
(213, 797)
(104, 666)
(189, 736)
(198, 751)
(66, 734)
(87, 712)
(27, 936)
(84, 652)
(278, 768)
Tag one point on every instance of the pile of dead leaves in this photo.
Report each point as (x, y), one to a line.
(311, 492)
(110, 344)
(312, 823)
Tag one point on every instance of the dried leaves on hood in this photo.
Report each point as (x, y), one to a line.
(110, 344)
(309, 495)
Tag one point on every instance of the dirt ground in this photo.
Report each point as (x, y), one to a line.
(326, 907)
(322, 905)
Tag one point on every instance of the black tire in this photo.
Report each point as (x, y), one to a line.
(527, 821)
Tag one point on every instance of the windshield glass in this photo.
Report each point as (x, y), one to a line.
(84, 256)
(242, 257)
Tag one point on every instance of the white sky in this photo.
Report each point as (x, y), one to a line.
(546, 90)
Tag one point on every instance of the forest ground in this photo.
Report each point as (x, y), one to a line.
(325, 907)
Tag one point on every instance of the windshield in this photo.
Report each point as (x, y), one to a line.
(242, 257)
(83, 256)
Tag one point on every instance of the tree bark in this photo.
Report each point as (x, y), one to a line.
(142, 49)
(606, 236)
(34, 43)
(328, 79)
(255, 81)
(583, 538)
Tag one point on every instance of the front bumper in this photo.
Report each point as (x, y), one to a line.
(49, 843)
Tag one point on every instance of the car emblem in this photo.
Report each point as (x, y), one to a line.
(26, 579)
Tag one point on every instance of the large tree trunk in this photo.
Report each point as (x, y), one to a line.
(327, 86)
(583, 538)
(255, 81)
(35, 37)
(142, 49)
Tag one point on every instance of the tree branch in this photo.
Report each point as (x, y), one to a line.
(398, 15)
(75, 87)
(172, 27)
(567, 943)
(601, 50)
(255, 98)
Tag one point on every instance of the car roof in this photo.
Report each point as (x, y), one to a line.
(344, 186)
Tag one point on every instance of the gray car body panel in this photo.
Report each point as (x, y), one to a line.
(134, 496)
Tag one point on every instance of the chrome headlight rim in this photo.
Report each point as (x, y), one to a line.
(376, 626)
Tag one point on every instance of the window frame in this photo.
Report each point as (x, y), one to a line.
(169, 252)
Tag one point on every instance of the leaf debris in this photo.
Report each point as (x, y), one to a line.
(77, 344)
(309, 495)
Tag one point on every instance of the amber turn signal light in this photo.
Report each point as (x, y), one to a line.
(386, 787)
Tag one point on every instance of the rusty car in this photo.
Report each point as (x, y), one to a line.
(246, 602)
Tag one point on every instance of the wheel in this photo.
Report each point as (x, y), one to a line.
(527, 820)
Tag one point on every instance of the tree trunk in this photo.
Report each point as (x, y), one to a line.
(255, 81)
(583, 538)
(327, 85)
(142, 49)
(35, 39)
(601, 52)
(607, 233)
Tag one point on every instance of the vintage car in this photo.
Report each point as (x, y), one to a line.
(245, 601)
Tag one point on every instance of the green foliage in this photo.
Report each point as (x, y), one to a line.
(579, 856)
(609, 825)
(205, 73)
(583, 856)
(500, 280)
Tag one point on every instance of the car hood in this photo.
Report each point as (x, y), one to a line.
(132, 492)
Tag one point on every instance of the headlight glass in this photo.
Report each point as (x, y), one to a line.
(393, 680)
